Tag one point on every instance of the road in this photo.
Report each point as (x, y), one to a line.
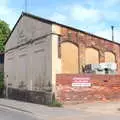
(60, 114)
(7, 114)
(16, 110)
(98, 111)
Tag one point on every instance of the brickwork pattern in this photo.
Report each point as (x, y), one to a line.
(103, 88)
(84, 40)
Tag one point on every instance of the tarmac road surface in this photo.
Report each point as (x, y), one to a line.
(7, 114)
(16, 110)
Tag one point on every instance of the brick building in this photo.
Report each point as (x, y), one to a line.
(38, 49)
(78, 48)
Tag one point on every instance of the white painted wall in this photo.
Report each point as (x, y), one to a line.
(27, 29)
(29, 66)
(32, 66)
(56, 62)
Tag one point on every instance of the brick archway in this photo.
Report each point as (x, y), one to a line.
(69, 57)
(91, 56)
(110, 57)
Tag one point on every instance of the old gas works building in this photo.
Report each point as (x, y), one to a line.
(38, 49)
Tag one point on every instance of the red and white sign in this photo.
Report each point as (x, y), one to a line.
(81, 82)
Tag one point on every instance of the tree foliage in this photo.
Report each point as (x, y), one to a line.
(4, 33)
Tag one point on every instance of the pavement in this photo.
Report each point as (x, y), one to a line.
(86, 111)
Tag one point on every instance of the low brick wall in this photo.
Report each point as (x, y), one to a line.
(40, 97)
(103, 88)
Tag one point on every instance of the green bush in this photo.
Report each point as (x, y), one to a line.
(55, 103)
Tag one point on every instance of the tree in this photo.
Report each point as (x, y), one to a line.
(4, 33)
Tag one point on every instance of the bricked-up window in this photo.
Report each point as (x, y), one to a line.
(69, 57)
(109, 57)
(91, 56)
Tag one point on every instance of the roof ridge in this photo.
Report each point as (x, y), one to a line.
(53, 22)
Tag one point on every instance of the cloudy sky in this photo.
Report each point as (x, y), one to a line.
(94, 16)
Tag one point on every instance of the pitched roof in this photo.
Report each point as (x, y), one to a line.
(53, 22)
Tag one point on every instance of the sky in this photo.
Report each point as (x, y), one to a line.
(93, 16)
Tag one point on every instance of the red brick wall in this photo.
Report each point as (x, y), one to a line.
(103, 88)
(84, 40)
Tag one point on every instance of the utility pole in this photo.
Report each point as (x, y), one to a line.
(112, 27)
(25, 5)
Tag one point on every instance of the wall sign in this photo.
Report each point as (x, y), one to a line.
(21, 36)
(81, 82)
